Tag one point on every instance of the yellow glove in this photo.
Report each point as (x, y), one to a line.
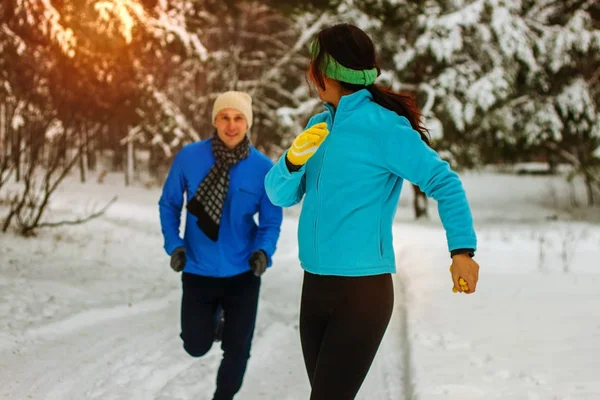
(461, 282)
(307, 143)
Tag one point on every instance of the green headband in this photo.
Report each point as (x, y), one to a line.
(337, 71)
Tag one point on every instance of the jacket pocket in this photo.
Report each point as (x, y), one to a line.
(380, 239)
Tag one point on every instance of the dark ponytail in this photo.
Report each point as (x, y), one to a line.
(353, 48)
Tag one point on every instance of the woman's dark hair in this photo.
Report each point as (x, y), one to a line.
(353, 48)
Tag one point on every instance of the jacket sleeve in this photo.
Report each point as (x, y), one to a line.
(270, 217)
(170, 206)
(406, 155)
(285, 188)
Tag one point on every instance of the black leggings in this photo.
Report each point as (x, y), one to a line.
(342, 322)
(238, 295)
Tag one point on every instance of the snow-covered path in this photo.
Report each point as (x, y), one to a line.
(92, 312)
(528, 333)
(133, 351)
(112, 353)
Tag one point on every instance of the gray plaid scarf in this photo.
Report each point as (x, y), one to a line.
(207, 203)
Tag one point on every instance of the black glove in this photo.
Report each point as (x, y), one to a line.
(178, 259)
(258, 262)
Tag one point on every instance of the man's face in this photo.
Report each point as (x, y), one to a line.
(231, 127)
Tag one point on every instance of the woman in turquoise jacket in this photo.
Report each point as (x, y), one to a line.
(348, 167)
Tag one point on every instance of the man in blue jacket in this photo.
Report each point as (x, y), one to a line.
(223, 251)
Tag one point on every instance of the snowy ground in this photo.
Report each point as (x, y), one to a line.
(92, 311)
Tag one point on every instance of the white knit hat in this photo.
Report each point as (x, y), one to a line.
(240, 101)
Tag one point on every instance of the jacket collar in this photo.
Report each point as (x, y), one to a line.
(350, 102)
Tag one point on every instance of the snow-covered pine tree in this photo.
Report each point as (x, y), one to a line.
(496, 70)
(251, 47)
(308, 20)
(74, 67)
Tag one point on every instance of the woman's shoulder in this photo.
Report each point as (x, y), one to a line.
(376, 118)
(382, 124)
(317, 118)
(384, 116)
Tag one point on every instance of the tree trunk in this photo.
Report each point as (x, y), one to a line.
(35, 138)
(419, 203)
(589, 186)
(117, 164)
(130, 170)
(63, 146)
(552, 162)
(153, 162)
(4, 153)
(16, 152)
(583, 155)
(136, 168)
(90, 150)
(83, 162)
(3, 142)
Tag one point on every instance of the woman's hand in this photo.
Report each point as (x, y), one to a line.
(465, 274)
(307, 143)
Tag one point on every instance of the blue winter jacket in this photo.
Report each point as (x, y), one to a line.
(239, 235)
(352, 184)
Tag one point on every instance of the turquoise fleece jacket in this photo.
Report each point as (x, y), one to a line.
(350, 189)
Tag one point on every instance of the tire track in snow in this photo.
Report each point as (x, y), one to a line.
(97, 316)
(384, 381)
(135, 354)
(116, 358)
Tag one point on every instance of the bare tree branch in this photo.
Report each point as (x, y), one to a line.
(284, 61)
(79, 221)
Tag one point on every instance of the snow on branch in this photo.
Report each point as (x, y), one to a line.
(575, 37)
(41, 15)
(489, 89)
(170, 109)
(81, 220)
(18, 42)
(307, 33)
(576, 104)
(265, 39)
(124, 15)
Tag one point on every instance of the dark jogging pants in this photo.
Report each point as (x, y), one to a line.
(342, 322)
(238, 296)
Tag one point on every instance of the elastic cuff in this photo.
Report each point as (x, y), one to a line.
(174, 246)
(269, 257)
(292, 167)
(455, 252)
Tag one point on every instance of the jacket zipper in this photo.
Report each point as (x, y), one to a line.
(318, 201)
(317, 188)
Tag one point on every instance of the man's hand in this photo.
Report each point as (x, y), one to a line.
(178, 259)
(258, 262)
(465, 274)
